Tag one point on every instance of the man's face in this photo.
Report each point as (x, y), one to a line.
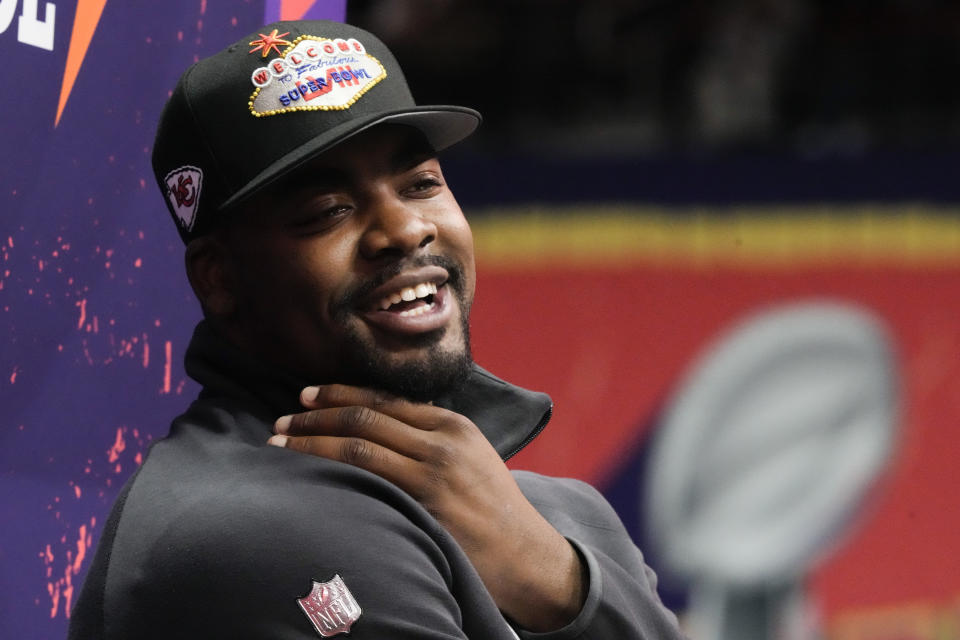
(357, 268)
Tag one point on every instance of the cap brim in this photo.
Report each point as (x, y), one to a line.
(442, 126)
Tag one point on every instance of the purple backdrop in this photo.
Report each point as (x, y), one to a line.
(95, 307)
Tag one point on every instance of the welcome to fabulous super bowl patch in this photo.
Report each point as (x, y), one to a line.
(314, 73)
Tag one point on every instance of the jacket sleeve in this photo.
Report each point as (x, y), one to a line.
(231, 560)
(622, 600)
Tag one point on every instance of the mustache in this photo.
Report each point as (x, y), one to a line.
(363, 290)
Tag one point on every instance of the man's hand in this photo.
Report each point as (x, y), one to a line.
(443, 461)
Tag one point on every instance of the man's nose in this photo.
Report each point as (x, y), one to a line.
(395, 228)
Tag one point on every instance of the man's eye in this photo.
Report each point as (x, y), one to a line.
(425, 186)
(333, 212)
(320, 219)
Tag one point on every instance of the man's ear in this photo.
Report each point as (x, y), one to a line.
(208, 268)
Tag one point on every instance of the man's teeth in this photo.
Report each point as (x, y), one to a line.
(409, 294)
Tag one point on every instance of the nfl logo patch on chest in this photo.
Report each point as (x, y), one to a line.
(314, 73)
(330, 607)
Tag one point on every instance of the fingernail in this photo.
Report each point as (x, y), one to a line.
(310, 393)
(282, 425)
(278, 441)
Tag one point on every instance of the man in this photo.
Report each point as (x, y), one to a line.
(335, 270)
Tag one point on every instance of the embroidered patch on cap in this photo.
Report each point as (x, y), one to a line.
(269, 42)
(315, 73)
(183, 191)
(331, 607)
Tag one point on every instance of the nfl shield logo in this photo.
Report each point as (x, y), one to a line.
(330, 607)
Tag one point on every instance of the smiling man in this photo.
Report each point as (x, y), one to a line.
(356, 268)
(342, 470)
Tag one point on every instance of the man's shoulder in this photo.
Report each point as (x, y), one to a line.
(215, 471)
(553, 489)
(568, 503)
(230, 554)
(214, 484)
(236, 522)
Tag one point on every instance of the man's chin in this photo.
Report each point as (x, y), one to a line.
(422, 379)
(419, 367)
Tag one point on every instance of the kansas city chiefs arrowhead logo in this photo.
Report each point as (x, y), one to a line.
(183, 192)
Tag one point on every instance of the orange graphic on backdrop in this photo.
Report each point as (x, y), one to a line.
(294, 9)
(84, 25)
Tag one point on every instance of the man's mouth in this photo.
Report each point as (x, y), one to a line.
(411, 301)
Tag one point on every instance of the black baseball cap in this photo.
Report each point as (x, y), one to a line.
(239, 120)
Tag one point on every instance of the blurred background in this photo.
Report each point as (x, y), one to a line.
(724, 236)
(648, 76)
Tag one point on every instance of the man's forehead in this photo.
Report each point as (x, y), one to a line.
(386, 147)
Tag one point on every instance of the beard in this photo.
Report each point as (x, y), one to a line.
(435, 373)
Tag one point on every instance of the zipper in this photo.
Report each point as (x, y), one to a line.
(533, 434)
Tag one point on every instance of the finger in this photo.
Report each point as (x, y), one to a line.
(386, 463)
(343, 395)
(357, 421)
(422, 416)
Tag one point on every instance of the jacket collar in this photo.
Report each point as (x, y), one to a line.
(509, 416)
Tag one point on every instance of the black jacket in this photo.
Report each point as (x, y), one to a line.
(217, 535)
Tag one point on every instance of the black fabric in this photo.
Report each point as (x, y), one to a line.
(87, 621)
(219, 534)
